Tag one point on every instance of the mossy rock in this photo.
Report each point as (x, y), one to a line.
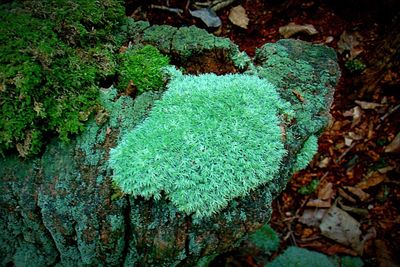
(63, 208)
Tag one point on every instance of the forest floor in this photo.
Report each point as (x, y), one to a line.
(357, 167)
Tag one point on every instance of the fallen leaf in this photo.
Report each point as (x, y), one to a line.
(343, 194)
(357, 192)
(292, 28)
(329, 39)
(312, 217)
(368, 105)
(338, 249)
(355, 136)
(298, 96)
(350, 43)
(394, 146)
(324, 162)
(348, 141)
(238, 16)
(326, 192)
(358, 211)
(338, 225)
(386, 169)
(208, 16)
(318, 203)
(372, 179)
(356, 113)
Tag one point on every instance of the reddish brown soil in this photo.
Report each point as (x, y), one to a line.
(348, 165)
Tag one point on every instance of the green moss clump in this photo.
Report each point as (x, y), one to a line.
(52, 56)
(299, 257)
(266, 239)
(189, 41)
(306, 154)
(208, 140)
(310, 188)
(143, 67)
(355, 65)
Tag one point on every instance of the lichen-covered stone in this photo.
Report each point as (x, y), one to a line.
(63, 209)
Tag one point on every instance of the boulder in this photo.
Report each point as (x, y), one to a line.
(64, 208)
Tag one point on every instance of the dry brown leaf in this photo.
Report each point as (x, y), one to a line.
(326, 192)
(238, 16)
(318, 203)
(386, 169)
(373, 179)
(324, 162)
(368, 105)
(358, 192)
(338, 225)
(355, 136)
(351, 43)
(339, 249)
(346, 196)
(394, 146)
(23, 149)
(292, 28)
(356, 113)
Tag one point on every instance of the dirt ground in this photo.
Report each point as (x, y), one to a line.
(357, 165)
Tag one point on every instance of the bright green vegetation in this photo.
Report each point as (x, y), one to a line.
(208, 140)
(306, 154)
(142, 67)
(310, 188)
(355, 65)
(52, 55)
(265, 239)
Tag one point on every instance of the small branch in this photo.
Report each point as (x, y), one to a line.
(345, 153)
(170, 9)
(390, 112)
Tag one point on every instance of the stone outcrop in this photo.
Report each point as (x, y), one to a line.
(63, 209)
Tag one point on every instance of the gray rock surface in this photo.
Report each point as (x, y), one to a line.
(63, 209)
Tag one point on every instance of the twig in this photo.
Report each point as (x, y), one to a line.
(345, 153)
(387, 114)
(214, 5)
(170, 9)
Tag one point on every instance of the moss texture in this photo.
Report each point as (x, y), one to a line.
(49, 68)
(208, 140)
(59, 208)
(142, 68)
(298, 257)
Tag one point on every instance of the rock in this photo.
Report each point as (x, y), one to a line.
(63, 208)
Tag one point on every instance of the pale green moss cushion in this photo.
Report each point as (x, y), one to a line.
(208, 140)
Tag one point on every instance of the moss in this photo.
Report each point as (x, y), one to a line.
(355, 65)
(210, 139)
(310, 188)
(305, 73)
(190, 41)
(49, 68)
(298, 257)
(160, 36)
(265, 239)
(306, 154)
(142, 67)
